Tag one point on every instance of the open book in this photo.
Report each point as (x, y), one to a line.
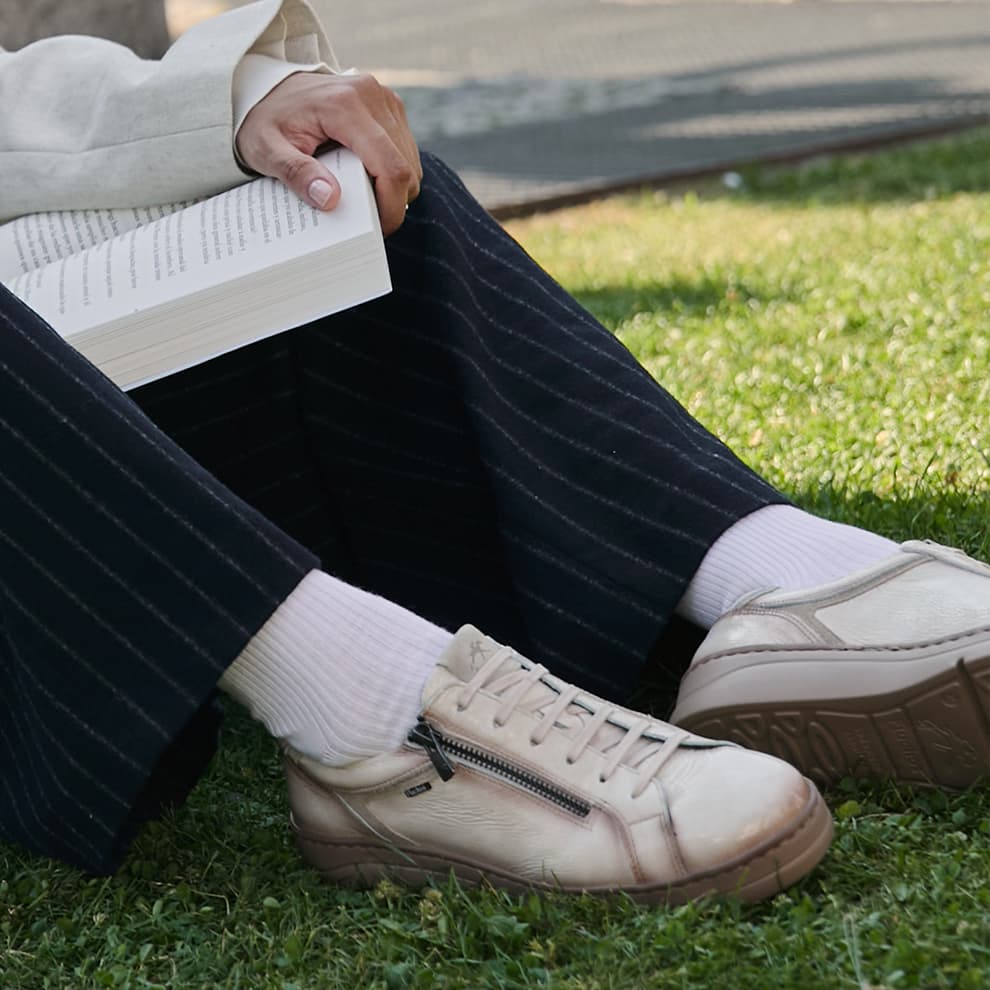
(146, 292)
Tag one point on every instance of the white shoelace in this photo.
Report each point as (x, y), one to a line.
(514, 685)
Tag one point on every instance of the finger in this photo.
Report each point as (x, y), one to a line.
(392, 172)
(384, 107)
(392, 197)
(398, 109)
(398, 129)
(310, 180)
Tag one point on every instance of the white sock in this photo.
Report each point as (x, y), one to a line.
(337, 672)
(777, 546)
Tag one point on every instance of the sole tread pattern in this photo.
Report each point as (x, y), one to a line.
(933, 733)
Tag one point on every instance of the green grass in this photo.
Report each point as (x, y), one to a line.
(831, 324)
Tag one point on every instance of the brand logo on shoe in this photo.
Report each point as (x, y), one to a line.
(907, 750)
(478, 655)
(943, 740)
(412, 792)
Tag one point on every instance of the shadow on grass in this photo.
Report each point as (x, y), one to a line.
(613, 305)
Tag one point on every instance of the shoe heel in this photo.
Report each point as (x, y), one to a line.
(356, 864)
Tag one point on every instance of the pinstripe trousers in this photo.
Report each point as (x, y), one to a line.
(473, 446)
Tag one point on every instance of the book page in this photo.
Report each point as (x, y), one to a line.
(40, 239)
(237, 233)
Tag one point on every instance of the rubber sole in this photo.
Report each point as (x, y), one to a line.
(763, 872)
(934, 732)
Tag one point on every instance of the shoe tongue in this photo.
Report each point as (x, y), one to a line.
(471, 649)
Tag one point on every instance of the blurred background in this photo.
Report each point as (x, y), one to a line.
(538, 101)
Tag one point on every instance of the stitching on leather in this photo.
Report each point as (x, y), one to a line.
(755, 650)
(451, 860)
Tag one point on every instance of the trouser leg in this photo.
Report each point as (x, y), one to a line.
(480, 391)
(490, 452)
(474, 446)
(129, 579)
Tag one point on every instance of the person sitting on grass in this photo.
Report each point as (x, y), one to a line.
(302, 522)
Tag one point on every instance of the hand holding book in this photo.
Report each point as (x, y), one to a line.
(144, 293)
(281, 133)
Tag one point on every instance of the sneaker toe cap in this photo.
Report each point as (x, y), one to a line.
(727, 803)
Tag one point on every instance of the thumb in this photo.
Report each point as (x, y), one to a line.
(304, 175)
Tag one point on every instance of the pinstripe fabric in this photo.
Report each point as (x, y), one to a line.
(474, 446)
(129, 579)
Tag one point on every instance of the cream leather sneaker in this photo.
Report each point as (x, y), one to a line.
(885, 673)
(513, 775)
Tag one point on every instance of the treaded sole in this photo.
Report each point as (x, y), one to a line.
(763, 872)
(935, 732)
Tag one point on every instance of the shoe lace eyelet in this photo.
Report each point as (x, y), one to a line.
(533, 742)
(570, 762)
(602, 779)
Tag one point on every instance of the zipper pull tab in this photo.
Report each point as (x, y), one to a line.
(423, 735)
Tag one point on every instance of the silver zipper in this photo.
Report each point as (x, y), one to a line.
(441, 748)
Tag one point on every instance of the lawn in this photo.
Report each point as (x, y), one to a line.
(831, 324)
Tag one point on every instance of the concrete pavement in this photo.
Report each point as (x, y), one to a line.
(533, 99)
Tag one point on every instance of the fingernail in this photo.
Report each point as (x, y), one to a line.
(319, 192)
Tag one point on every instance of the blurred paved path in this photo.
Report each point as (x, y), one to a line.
(533, 98)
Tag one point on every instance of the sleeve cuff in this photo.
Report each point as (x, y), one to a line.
(257, 75)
